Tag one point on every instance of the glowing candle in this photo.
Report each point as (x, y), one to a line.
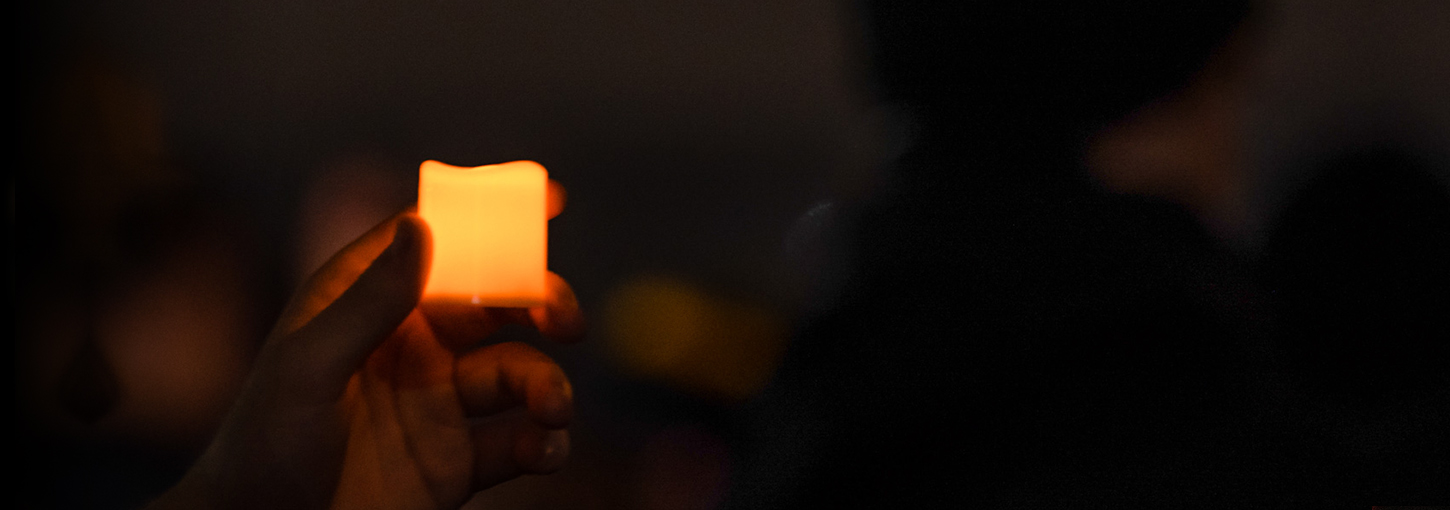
(490, 232)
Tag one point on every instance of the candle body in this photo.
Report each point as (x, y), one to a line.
(490, 232)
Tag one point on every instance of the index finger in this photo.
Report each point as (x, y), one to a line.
(554, 203)
(560, 319)
(460, 326)
(500, 377)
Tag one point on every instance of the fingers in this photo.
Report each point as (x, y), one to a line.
(554, 204)
(335, 343)
(499, 377)
(494, 381)
(461, 326)
(560, 318)
(511, 445)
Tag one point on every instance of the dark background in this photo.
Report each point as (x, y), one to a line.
(691, 138)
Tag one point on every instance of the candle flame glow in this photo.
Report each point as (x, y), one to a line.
(490, 232)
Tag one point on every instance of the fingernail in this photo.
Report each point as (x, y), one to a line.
(555, 449)
(559, 408)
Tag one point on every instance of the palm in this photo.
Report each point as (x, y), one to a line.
(409, 443)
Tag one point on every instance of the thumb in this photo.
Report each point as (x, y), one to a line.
(335, 343)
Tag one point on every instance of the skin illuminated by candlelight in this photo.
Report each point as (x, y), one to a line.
(362, 398)
(490, 233)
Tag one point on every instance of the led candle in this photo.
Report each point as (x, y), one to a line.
(490, 236)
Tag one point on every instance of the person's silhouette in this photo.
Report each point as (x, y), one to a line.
(1014, 336)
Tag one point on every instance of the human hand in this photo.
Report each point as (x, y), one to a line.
(362, 397)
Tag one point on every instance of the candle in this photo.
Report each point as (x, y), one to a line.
(490, 234)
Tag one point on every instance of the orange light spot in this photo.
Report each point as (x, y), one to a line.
(490, 232)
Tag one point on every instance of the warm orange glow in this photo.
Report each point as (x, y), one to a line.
(490, 234)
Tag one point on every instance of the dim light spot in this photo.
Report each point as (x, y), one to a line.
(668, 330)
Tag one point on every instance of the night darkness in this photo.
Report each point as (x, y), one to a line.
(836, 254)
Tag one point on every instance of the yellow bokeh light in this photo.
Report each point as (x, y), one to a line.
(668, 330)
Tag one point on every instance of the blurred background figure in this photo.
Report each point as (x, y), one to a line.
(716, 157)
(1344, 228)
(1225, 325)
(1335, 192)
(140, 299)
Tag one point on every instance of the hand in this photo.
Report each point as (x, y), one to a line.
(362, 398)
